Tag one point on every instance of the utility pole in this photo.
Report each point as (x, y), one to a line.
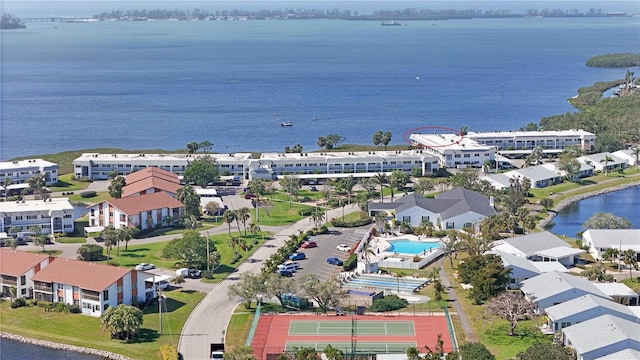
(208, 266)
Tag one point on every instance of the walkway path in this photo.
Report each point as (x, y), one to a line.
(464, 321)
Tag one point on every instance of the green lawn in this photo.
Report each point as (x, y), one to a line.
(494, 333)
(82, 330)
(281, 214)
(66, 183)
(151, 253)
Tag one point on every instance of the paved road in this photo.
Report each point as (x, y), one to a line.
(208, 321)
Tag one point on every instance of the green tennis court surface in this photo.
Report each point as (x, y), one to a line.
(361, 346)
(348, 327)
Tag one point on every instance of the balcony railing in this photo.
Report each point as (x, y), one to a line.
(43, 288)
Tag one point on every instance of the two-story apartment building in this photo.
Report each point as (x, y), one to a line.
(20, 171)
(151, 180)
(53, 215)
(93, 287)
(17, 269)
(144, 211)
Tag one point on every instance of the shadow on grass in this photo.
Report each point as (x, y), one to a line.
(144, 336)
(224, 269)
(587, 182)
(170, 305)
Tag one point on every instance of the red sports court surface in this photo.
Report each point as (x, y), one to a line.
(372, 334)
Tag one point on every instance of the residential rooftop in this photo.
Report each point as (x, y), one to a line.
(86, 275)
(16, 263)
(52, 204)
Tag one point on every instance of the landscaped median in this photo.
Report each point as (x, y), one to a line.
(82, 330)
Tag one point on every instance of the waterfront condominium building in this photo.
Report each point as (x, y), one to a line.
(454, 151)
(16, 270)
(520, 143)
(269, 165)
(20, 171)
(51, 216)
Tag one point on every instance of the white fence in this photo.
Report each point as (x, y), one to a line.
(410, 264)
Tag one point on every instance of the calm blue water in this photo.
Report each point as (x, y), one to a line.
(622, 203)
(160, 85)
(412, 247)
(14, 350)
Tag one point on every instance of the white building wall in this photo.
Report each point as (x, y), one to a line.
(558, 298)
(461, 220)
(416, 214)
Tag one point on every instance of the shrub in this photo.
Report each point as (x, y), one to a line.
(207, 274)
(169, 352)
(90, 252)
(19, 302)
(388, 303)
(355, 223)
(350, 263)
(113, 263)
(43, 304)
(60, 307)
(74, 309)
(88, 194)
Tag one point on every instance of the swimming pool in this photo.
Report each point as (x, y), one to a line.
(406, 246)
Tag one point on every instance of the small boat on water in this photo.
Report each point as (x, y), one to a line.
(287, 123)
(390, 23)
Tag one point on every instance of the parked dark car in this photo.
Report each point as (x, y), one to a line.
(297, 256)
(286, 273)
(335, 261)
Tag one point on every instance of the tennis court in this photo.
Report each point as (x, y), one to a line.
(352, 327)
(361, 334)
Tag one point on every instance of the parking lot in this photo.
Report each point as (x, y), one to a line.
(316, 261)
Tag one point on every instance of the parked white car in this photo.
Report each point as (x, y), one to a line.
(343, 247)
(145, 266)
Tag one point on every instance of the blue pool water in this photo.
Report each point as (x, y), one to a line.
(405, 246)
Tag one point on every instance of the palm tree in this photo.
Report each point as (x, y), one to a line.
(254, 229)
(317, 216)
(244, 214)
(191, 222)
(12, 243)
(37, 184)
(233, 242)
(435, 273)
(607, 159)
(629, 258)
(635, 151)
(380, 219)
(381, 179)
(188, 196)
(610, 254)
(7, 181)
(110, 237)
(229, 217)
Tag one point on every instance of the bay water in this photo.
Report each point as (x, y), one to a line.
(162, 84)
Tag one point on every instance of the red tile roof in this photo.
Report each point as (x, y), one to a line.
(16, 263)
(150, 183)
(152, 172)
(137, 204)
(86, 275)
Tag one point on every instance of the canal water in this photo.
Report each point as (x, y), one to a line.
(15, 350)
(622, 203)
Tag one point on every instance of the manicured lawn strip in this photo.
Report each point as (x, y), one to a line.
(633, 283)
(494, 334)
(594, 183)
(239, 326)
(71, 240)
(66, 183)
(100, 197)
(281, 214)
(47, 252)
(151, 253)
(82, 330)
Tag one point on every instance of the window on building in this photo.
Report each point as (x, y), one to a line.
(457, 156)
(406, 219)
(425, 219)
(467, 155)
(23, 279)
(19, 217)
(32, 217)
(105, 295)
(105, 307)
(23, 291)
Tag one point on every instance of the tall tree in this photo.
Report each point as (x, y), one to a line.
(386, 139)
(229, 217)
(188, 196)
(629, 259)
(317, 216)
(202, 171)
(327, 294)
(377, 138)
(244, 214)
(398, 180)
(248, 287)
(190, 250)
(606, 160)
(37, 184)
(475, 351)
(291, 185)
(205, 145)
(122, 322)
(115, 188)
(570, 165)
(280, 287)
(424, 185)
(606, 221)
(192, 147)
(546, 351)
(110, 237)
(5, 185)
(381, 179)
(511, 306)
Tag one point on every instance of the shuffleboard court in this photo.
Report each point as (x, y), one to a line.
(352, 327)
(360, 347)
